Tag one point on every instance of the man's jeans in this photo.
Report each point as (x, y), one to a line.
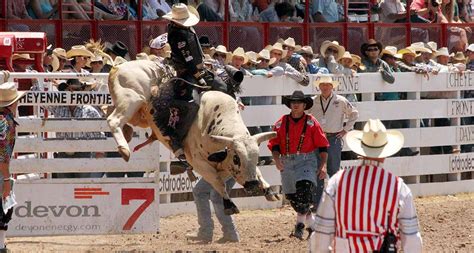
(333, 165)
(203, 192)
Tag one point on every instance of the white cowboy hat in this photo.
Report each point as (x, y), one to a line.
(459, 56)
(471, 47)
(253, 57)
(420, 47)
(357, 60)
(184, 15)
(22, 57)
(306, 50)
(431, 45)
(79, 50)
(60, 53)
(325, 79)
(265, 54)
(223, 50)
(97, 58)
(159, 42)
(375, 140)
(290, 42)
(347, 55)
(240, 52)
(326, 44)
(278, 46)
(442, 52)
(9, 94)
(390, 50)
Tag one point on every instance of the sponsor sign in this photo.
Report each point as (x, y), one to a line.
(464, 134)
(175, 183)
(347, 84)
(71, 209)
(461, 163)
(66, 98)
(461, 108)
(463, 80)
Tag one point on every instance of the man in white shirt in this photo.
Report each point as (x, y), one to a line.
(367, 208)
(331, 110)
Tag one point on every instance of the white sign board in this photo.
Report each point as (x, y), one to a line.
(461, 163)
(464, 134)
(461, 107)
(72, 209)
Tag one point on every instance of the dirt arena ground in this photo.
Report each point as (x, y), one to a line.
(447, 225)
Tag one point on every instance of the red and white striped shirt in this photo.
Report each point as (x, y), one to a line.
(359, 206)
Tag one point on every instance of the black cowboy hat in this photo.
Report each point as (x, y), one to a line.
(118, 48)
(369, 43)
(298, 96)
(204, 41)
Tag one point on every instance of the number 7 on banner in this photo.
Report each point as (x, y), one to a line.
(137, 193)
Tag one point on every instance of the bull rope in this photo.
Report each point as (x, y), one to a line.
(192, 84)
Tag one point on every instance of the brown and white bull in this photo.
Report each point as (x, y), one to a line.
(218, 144)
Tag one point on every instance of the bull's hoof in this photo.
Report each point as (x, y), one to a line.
(230, 208)
(125, 153)
(270, 195)
(127, 131)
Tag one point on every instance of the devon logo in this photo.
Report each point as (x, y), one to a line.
(27, 210)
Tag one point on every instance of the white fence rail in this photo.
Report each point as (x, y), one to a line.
(426, 174)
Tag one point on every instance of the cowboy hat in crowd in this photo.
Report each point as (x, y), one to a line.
(184, 15)
(307, 50)
(278, 47)
(407, 50)
(58, 54)
(265, 54)
(334, 44)
(459, 58)
(222, 50)
(390, 50)
(442, 52)
(325, 79)
(252, 57)
(419, 47)
(240, 52)
(22, 57)
(79, 50)
(375, 141)
(370, 43)
(9, 94)
(298, 96)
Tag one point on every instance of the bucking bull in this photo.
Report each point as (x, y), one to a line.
(218, 144)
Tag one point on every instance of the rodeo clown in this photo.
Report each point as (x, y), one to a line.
(9, 97)
(299, 135)
(367, 208)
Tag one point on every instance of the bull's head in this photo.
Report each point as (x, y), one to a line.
(241, 157)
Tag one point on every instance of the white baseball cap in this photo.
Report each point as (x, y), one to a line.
(471, 47)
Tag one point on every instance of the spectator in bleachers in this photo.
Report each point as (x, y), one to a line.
(206, 46)
(79, 55)
(22, 62)
(307, 53)
(293, 58)
(470, 57)
(242, 11)
(393, 11)
(428, 10)
(357, 66)
(214, 7)
(371, 59)
(325, 11)
(408, 63)
(261, 5)
(278, 12)
(155, 9)
(221, 55)
(159, 46)
(265, 60)
(97, 63)
(239, 59)
(347, 62)
(252, 63)
(48, 59)
(389, 55)
(457, 36)
(42, 9)
(330, 54)
(465, 11)
(16, 9)
(59, 59)
(282, 68)
(442, 58)
(117, 49)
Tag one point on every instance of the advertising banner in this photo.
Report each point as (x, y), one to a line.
(72, 209)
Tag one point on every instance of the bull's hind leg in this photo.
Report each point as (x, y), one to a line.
(119, 117)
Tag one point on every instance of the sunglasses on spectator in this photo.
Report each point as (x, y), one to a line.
(372, 49)
(331, 50)
(220, 55)
(288, 48)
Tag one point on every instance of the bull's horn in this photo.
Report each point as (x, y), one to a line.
(222, 139)
(261, 137)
